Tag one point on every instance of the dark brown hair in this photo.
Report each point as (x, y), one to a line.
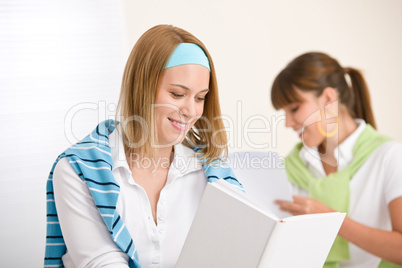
(316, 71)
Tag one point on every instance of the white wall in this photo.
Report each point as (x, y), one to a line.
(61, 64)
(46, 70)
(251, 41)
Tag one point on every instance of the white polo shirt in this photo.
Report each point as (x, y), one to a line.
(89, 243)
(372, 188)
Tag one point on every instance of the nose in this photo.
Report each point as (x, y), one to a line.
(188, 108)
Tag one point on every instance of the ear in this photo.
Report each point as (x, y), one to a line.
(328, 96)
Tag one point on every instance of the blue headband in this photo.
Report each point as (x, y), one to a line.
(188, 53)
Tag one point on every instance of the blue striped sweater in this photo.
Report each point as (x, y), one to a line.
(91, 159)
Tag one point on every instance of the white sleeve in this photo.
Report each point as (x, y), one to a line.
(393, 171)
(88, 241)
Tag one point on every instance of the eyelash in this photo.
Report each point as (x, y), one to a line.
(293, 110)
(177, 96)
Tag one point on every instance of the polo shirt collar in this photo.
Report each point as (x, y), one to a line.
(344, 152)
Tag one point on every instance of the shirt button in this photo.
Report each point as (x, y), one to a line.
(161, 218)
(156, 247)
(161, 231)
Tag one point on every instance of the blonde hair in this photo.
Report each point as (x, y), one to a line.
(141, 76)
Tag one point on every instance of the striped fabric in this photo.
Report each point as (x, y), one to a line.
(91, 159)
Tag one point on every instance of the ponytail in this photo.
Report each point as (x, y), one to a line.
(315, 71)
(362, 107)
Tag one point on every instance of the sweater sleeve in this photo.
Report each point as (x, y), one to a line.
(88, 241)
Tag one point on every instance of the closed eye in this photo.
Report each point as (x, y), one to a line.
(176, 95)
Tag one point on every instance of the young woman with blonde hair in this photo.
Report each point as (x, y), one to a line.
(343, 163)
(126, 195)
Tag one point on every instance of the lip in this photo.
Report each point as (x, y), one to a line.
(300, 132)
(179, 125)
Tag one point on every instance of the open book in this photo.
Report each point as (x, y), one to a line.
(264, 179)
(229, 230)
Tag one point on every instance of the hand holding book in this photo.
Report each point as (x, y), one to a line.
(303, 205)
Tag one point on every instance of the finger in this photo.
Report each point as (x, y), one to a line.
(278, 202)
(299, 199)
(290, 207)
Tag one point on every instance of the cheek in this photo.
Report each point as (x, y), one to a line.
(314, 135)
(166, 109)
(312, 129)
(310, 117)
(163, 96)
(198, 114)
(162, 112)
(199, 109)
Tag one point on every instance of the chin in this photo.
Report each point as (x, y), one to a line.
(310, 144)
(173, 141)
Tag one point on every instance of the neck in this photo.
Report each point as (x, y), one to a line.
(165, 153)
(161, 160)
(346, 127)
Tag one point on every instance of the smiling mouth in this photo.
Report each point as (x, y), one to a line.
(178, 124)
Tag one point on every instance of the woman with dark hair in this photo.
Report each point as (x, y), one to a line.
(126, 195)
(342, 164)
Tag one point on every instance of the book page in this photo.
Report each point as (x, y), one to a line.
(244, 197)
(226, 232)
(264, 179)
(302, 241)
